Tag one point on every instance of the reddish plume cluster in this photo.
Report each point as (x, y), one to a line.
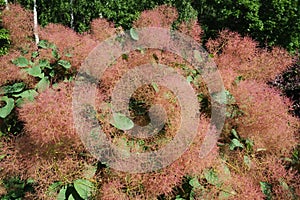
(49, 150)
(19, 22)
(242, 55)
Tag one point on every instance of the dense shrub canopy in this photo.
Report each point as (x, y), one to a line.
(42, 156)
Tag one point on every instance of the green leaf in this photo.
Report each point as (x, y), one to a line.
(6, 110)
(43, 84)
(283, 184)
(122, 122)
(234, 133)
(55, 54)
(155, 86)
(17, 87)
(35, 71)
(69, 55)
(179, 198)
(2, 156)
(65, 64)
(249, 144)
(34, 54)
(44, 64)
(235, 143)
(51, 46)
(54, 187)
(189, 79)
(52, 73)
(62, 194)
(21, 62)
(226, 192)
(43, 44)
(134, 34)
(247, 161)
(83, 187)
(71, 197)
(27, 95)
(266, 188)
(195, 183)
(211, 177)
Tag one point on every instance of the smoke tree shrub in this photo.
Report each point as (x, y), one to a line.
(49, 118)
(10, 73)
(50, 142)
(101, 29)
(241, 54)
(19, 22)
(265, 120)
(161, 16)
(73, 49)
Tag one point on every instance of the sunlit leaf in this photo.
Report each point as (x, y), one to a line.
(27, 95)
(266, 188)
(17, 87)
(83, 187)
(43, 84)
(155, 86)
(247, 161)
(6, 110)
(235, 143)
(134, 34)
(35, 71)
(194, 183)
(62, 193)
(211, 177)
(21, 62)
(43, 44)
(122, 122)
(34, 54)
(65, 64)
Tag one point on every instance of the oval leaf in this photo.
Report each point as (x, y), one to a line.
(53, 188)
(43, 44)
(44, 64)
(122, 122)
(6, 110)
(35, 71)
(83, 187)
(17, 87)
(134, 35)
(34, 54)
(266, 188)
(21, 62)
(235, 143)
(62, 194)
(43, 84)
(27, 95)
(211, 177)
(65, 64)
(195, 183)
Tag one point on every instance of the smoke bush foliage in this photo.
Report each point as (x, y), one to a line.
(52, 113)
(19, 22)
(242, 55)
(265, 120)
(49, 150)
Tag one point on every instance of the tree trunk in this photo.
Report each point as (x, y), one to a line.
(72, 15)
(6, 4)
(35, 23)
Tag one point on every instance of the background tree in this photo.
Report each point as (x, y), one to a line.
(271, 22)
